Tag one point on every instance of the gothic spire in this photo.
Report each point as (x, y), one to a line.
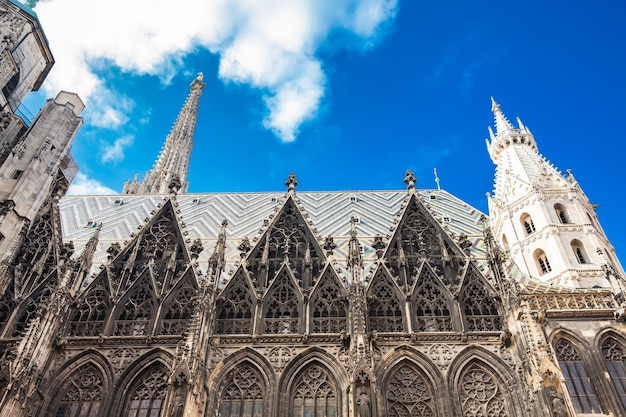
(501, 122)
(172, 164)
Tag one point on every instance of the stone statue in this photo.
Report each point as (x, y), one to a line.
(363, 404)
(558, 406)
(177, 406)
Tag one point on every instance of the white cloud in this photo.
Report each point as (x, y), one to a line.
(83, 185)
(268, 44)
(115, 152)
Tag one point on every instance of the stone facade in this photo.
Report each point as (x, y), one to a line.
(391, 303)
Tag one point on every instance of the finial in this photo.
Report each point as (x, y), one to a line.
(329, 245)
(410, 180)
(379, 246)
(353, 221)
(494, 106)
(291, 183)
(501, 121)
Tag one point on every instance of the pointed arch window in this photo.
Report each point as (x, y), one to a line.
(314, 393)
(136, 313)
(482, 393)
(614, 354)
(82, 393)
(243, 393)
(479, 308)
(385, 311)
(179, 311)
(148, 394)
(409, 393)
(579, 251)
(543, 264)
(90, 316)
(527, 223)
(578, 384)
(282, 309)
(329, 309)
(561, 213)
(431, 308)
(235, 308)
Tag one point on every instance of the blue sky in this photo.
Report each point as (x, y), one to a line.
(368, 89)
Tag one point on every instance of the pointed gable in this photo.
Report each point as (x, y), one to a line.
(178, 306)
(432, 303)
(89, 317)
(385, 303)
(281, 304)
(418, 239)
(480, 308)
(287, 239)
(136, 310)
(236, 306)
(159, 248)
(37, 257)
(328, 304)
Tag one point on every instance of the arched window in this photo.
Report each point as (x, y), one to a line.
(614, 355)
(409, 393)
(561, 213)
(578, 384)
(432, 312)
(329, 309)
(148, 394)
(385, 312)
(179, 311)
(543, 265)
(579, 251)
(505, 243)
(91, 314)
(282, 309)
(314, 393)
(527, 224)
(482, 393)
(243, 393)
(82, 393)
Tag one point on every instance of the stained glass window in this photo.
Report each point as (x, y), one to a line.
(578, 384)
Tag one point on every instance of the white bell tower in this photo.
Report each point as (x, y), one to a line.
(542, 218)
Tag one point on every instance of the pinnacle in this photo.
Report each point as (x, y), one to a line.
(501, 122)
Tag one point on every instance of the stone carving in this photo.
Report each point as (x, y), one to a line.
(408, 394)
(441, 354)
(279, 356)
(122, 357)
(363, 404)
(481, 395)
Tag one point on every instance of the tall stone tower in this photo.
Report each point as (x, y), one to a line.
(172, 164)
(542, 217)
(34, 155)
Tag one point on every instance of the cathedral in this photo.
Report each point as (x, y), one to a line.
(407, 303)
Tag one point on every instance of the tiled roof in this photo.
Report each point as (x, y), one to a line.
(247, 214)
